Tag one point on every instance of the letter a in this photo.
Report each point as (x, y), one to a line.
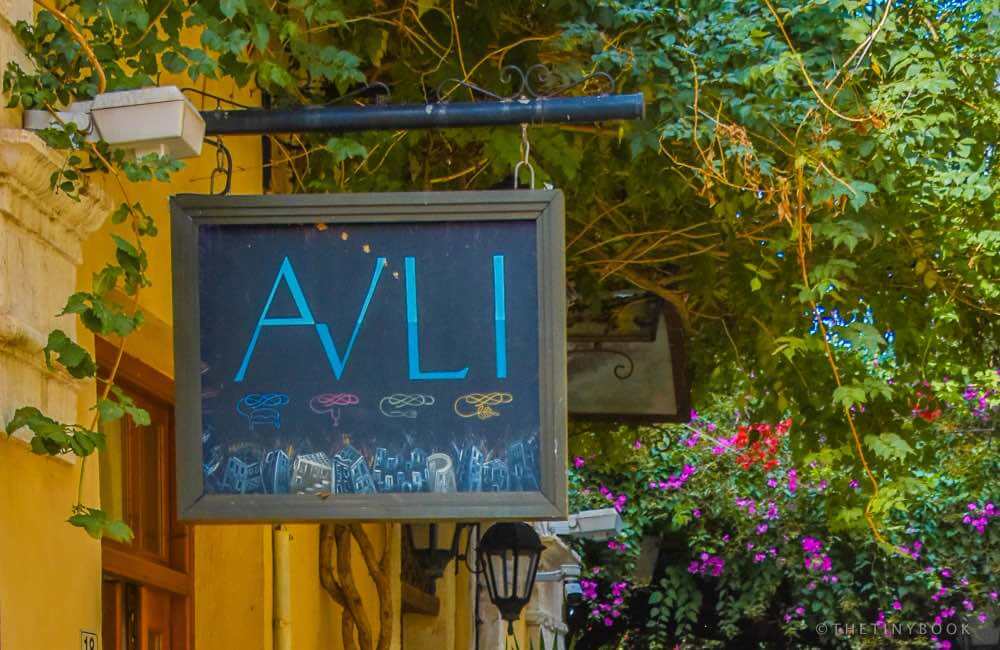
(305, 316)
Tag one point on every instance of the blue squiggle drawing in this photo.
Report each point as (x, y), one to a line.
(262, 408)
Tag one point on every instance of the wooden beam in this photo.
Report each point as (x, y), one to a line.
(124, 564)
(417, 601)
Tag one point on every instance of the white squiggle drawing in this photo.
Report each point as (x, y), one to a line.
(403, 405)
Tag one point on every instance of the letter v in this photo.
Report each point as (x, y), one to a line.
(336, 363)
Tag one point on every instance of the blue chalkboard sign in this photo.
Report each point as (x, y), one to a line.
(370, 356)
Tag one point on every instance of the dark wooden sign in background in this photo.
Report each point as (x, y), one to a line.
(370, 356)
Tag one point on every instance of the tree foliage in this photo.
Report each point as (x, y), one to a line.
(814, 186)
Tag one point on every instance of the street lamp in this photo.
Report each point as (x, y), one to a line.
(509, 554)
(433, 545)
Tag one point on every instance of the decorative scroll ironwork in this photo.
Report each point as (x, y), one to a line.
(376, 89)
(622, 370)
(537, 82)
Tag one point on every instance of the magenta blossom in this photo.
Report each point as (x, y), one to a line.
(708, 565)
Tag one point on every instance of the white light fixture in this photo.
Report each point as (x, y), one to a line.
(157, 120)
(597, 525)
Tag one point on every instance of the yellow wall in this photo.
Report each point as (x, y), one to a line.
(49, 571)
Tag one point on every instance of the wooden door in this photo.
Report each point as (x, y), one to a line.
(155, 619)
(146, 598)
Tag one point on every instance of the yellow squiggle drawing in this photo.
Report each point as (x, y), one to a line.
(482, 404)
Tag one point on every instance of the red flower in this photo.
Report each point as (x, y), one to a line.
(763, 450)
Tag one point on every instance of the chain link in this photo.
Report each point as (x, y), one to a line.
(525, 159)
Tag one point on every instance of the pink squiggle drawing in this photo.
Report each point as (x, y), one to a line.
(331, 403)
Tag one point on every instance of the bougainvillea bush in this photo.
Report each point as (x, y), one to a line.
(761, 545)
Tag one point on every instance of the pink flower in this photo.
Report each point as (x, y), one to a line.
(579, 462)
(637, 444)
(811, 545)
(896, 605)
(696, 513)
(793, 480)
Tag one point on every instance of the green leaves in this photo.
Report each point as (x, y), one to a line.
(76, 360)
(674, 603)
(117, 405)
(861, 392)
(151, 167)
(841, 232)
(230, 8)
(53, 438)
(98, 314)
(133, 262)
(888, 446)
(342, 149)
(98, 524)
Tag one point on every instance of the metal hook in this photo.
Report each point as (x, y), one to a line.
(524, 162)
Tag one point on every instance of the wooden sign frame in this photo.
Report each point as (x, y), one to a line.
(544, 208)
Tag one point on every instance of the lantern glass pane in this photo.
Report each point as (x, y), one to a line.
(501, 574)
(421, 535)
(445, 536)
(527, 565)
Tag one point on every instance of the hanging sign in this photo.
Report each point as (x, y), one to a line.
(370, 356)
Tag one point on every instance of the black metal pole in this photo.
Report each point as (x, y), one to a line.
(554, 110)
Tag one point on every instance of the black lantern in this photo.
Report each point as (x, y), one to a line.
(433, 546)
(508, 554)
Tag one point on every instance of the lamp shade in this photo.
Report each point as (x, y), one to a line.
(508, 555)
(433, 545)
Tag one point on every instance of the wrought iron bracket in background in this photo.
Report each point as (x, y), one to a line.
(536, 99)
(550, 84)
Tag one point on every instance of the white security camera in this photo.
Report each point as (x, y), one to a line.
(597, 525)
